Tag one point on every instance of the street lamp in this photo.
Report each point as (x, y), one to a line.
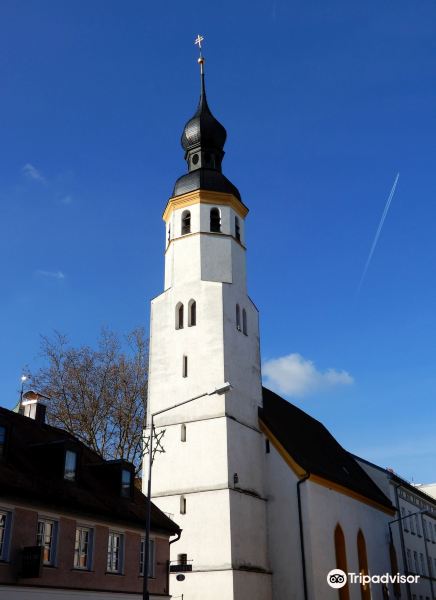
(23, 379)
(226, 387)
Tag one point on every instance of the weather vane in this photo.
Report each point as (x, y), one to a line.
(197, 42)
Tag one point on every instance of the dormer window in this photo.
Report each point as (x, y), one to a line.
(2, 440)
(126, 483)
(70, 465)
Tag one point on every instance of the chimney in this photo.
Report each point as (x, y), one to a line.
(33, 405)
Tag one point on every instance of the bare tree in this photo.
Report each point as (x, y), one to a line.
(98, 395)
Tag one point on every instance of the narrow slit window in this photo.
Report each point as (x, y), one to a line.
(238, 318)
(179, 316)
(192, 321)
(237, 229)
(182, 505)
(244, 321)
(169, 233)
(183, 432)
(185, 366)
(186, 222)
(215, 220)
(267, 446)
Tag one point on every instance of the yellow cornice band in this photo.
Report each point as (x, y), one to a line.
(300, 472)
(204, 197)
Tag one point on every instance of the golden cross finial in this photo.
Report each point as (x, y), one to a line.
(197, 42)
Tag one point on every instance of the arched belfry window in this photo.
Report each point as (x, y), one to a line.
(186, 222)
(192, 313)
(237, 229)
(238, 318)
(179, 316)
(341, 560)
(363, 565)
(215, 220)
(244, 321)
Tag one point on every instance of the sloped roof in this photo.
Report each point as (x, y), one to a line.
(30, 471)
(314, 448)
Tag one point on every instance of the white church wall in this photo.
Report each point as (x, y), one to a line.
(211, 585)
(243, 442)
(248, 524)
(167, 386)
(323, 509)
(250, 586)
(242, 357)
(283, 529)
(200, 463)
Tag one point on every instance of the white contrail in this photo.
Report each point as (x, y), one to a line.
(377, 235)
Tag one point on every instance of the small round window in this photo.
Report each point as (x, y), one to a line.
(195, 159)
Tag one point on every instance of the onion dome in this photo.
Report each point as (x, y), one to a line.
(203, 140)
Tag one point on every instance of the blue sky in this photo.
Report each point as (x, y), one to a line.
(323, 104)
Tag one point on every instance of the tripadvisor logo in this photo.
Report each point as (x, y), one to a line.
(336, 578)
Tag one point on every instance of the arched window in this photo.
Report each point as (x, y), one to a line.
(244, 321)
(192, 313)
(215, 220)
(237, 229)
(363, 565)
(179, 316)
(238, 318)
(182, 505)
(183, 433)
(341, 560)
(186, 222)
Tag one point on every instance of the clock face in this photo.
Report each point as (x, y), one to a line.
(195, 159)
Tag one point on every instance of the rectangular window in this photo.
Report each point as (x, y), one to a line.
(415, 559)
(182, 505)
(5, 526)
(409, 560)
(2, 440)
(411, 523)
(421, 558)
(152, 558)
(418, 526)
(126, 483)
(70, 465)
(185, 366)
(404, 519)
(183, 432)
(83, 548)
(46, 537)
(115, 552)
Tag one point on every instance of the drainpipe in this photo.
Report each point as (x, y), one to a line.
(403, 548)
(300, 522)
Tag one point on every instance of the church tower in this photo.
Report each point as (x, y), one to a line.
(204, 332)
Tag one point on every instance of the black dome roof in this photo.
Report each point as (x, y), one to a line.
(203, 129)
(203, 140)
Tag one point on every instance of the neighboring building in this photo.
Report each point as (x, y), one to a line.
(71, 524)
(413, 531)
(427, 488)
(268, 501)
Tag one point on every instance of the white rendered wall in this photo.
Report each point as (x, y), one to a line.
(323, 509)
(224, 528)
